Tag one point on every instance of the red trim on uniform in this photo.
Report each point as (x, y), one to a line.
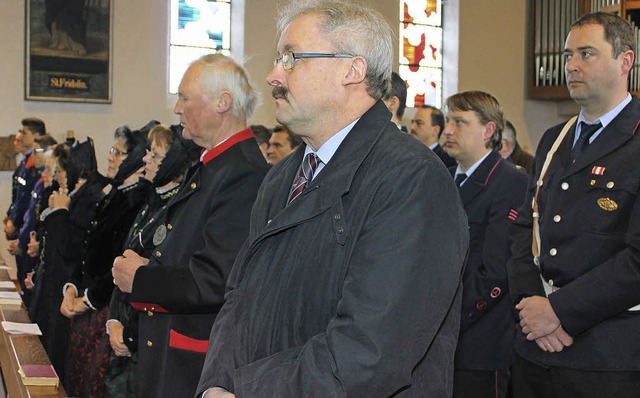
(231, 141)
(30, 162)
(513, 214)
(148, 307)
(177, 340)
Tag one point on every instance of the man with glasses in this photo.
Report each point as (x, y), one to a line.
(349, 284)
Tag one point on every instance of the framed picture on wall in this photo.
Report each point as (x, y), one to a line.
(68, 50)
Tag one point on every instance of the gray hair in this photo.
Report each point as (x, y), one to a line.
(221, 73)
(509, 132)
(352, 29)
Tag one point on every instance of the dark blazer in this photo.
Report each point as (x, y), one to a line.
(444, 156)
(491, 197)
(590, 230)
(353, 289)
(182, 288)
(103, 242)
(24, 179)
(64, 236)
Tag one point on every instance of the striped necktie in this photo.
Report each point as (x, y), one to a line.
(305, 174)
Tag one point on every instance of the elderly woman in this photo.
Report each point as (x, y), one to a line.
(165, 167)
(88, 291)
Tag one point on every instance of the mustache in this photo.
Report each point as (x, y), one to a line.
(279, 91)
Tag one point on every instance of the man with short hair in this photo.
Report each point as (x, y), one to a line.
(281, 144)
(396, 100)
(25, 176)
(24, 179)
(427, 126)
(574, 271)
(492, 190)
(180, 289)
(512, 151)
(349, 283)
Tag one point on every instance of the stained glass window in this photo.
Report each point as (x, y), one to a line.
(421, 51)
(198, 27)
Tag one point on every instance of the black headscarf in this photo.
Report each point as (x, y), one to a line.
(82, 162)
(137, 146)
(178, 158)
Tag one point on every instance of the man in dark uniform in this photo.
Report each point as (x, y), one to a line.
(427, 126)
(349, 284)
(492, 190)
(181, 289)
(577, 290)
(25, 178)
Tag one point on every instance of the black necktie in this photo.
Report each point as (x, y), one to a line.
(586, 131)
(460, 178)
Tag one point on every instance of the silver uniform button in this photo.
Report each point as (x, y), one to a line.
(564, 186)
(553, 251)
(557, 218)
(550, 282)
(610, 184)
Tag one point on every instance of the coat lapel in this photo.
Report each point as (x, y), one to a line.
(617, 133)
(334, 179)
(479, 180)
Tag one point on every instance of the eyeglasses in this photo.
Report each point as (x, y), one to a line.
(154, 156)
(289, 58)
(117, 152)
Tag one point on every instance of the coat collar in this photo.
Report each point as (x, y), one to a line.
(621, 129)
(478, 181)
(335, 178)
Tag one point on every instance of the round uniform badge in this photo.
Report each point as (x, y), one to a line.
(159, 235)
(607, 204)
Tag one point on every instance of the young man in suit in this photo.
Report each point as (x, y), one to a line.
(492, 190)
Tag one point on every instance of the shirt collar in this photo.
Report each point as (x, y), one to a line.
(473, 167)
(609, 116)
(329, 148)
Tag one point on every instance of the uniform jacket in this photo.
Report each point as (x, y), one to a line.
(25, 178)
(353, 289)
(182, 288)
(491, 197)
(590, 230)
